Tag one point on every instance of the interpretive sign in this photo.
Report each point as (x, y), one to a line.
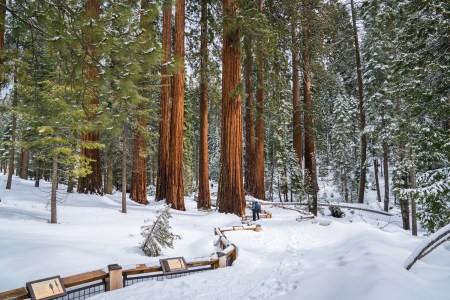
(173, 265)
(47, 288)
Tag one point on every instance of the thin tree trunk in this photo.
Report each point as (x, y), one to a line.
(310, 165)
(91, 183)
(164, 123)
(25, 163)
(377, 182)
(124, 171)
(175, 189)
(249, 125)
(259, 191)
(296, 104)
(412, 174)
(386, 175)
(231, 187)
(109, 171)
(38, 173)
(362, 115)
(53, 215)
(12, 147)
(204, 200)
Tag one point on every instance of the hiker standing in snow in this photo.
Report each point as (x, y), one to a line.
(255, 209)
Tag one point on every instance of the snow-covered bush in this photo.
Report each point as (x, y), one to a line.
(336, 212)
(433, 198)
(158, 234)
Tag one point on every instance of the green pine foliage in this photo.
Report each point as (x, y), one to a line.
(158, 235)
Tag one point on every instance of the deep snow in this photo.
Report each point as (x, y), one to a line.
(358, 257)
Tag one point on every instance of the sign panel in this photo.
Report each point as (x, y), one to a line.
(173, 265)
(47, 288)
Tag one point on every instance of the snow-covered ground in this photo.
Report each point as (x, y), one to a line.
(357, 257)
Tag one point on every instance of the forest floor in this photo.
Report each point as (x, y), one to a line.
(357, 257)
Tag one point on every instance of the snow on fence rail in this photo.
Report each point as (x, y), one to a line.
(84, 285)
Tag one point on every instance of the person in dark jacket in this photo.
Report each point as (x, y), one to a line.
(256, 207)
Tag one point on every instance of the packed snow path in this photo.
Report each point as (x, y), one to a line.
(351, 258)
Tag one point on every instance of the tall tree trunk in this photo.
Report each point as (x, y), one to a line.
(412, 174)
(386, 175)
(53, 215)
(124, 170)
(138, 191)
(259, 191)
(310, 165)
(175, 189)
(2, 37)
(377, 181)
(296, 104)
(164, 123)
(91, 183)
(231, 188)
(362, 115)
(25, 163)
(249, 125)
(204, 200)
(109, 171)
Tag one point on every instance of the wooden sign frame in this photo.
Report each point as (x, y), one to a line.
(53, 282)
(173, 265)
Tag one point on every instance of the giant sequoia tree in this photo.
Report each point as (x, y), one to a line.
(175, 189)
(92, 182)
(231, 189)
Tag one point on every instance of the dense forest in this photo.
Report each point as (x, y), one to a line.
(160, 99)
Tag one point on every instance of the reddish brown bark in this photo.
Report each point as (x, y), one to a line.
(164, 123)
(259, 191)
(25, 163)
(138, 191)
(231, 188)
(310, 163)
(91, 183)
(249, 125)
(204, 200)
(297, 112)
(175, 189)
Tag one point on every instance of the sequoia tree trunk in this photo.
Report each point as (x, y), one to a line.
(362, 115)
(297, 112)
(164, 123)
(91, 183)
(204, 200)
(231, 188)
(249, 125)
(175, 189)
(259, 191)
(310, 163)
(138, 191)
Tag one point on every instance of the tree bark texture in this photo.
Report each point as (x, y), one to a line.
(362, 114)
(249, 117)
(91, 183)
(53, 213)
(386, 175)
(164, 123)
(377, 182)
(259, 191)
(296, 103)
(310, 164)
(25, 163)
(38, 173)
(204, 200)
(231, 188)
(175, 189)
(138, 191)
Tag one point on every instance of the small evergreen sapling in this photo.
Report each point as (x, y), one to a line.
(158, 234)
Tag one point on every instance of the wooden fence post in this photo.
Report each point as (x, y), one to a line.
(115, 280)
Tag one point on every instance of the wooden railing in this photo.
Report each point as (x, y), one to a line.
(114, 278)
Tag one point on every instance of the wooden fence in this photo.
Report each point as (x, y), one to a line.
(82, 286)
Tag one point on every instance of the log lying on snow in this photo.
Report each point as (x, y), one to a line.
(428, 245)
